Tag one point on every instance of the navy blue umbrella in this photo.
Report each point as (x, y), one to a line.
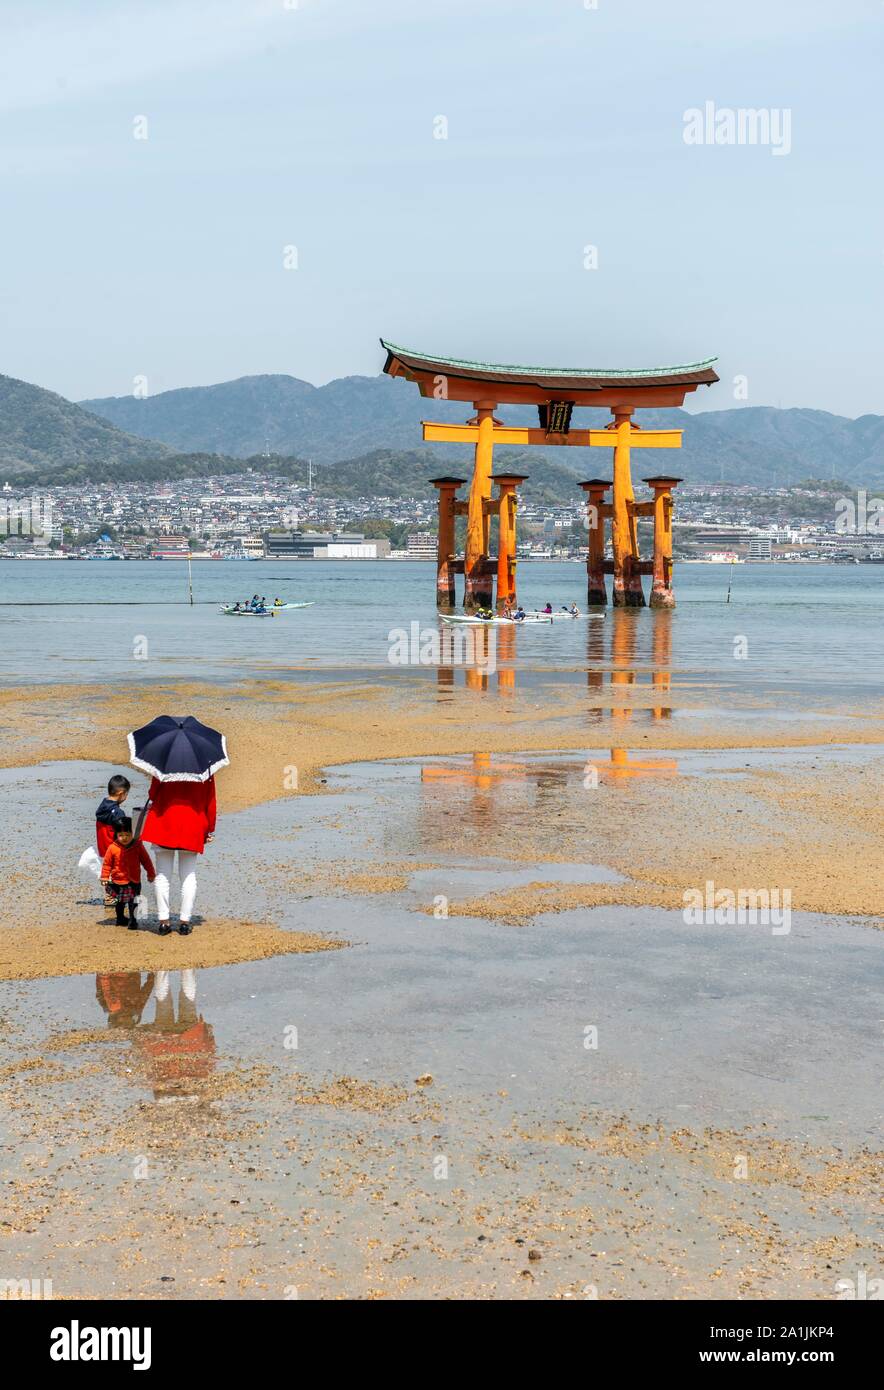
(178, 750)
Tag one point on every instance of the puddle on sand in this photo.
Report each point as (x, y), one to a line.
(470, 812)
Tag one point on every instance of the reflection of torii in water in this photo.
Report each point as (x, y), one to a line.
(494, 652)
(538, 784)
(496, 656)
(624, 631)
(621, 766)
(482, 773)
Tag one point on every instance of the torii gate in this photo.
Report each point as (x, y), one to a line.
(555, 393)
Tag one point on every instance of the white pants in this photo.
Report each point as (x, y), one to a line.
(188, 985)
(165, 859)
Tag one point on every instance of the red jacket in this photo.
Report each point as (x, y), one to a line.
(182, 814)
(122, 863)
(104, 837)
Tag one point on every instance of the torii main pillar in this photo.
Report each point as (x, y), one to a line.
(597, 512)
(624, 536)
(505, 506)
(478, 578)
(446, 562)
(661, 591)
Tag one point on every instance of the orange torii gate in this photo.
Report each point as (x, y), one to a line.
(555, 393)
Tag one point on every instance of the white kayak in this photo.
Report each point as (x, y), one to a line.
(231, 612)
(495, 622)
(555, 617)
(530, 618)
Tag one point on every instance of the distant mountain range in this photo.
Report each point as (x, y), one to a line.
(354, 415)
(364, 435)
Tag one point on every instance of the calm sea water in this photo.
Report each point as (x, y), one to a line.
(816, 628)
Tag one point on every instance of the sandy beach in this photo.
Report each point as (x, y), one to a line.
(516, 1071)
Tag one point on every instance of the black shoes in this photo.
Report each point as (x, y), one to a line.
(163, 929)
(185, 929)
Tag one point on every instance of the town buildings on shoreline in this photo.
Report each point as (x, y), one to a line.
(252, 517)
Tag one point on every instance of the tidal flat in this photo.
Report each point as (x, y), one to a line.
(499, 1063)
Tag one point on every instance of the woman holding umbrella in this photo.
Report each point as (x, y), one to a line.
(182, 756)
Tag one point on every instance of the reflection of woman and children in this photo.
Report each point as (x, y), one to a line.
(178, 1049)
(182, 756)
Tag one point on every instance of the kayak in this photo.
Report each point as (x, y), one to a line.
(495, 622)
(231, 612)
(555, 617)
(530, 618)
(248, 612)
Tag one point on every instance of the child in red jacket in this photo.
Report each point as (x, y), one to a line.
(108, 816)
(121, 872)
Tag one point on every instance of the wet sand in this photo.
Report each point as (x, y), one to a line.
(427, 1112)
(440, 1117)
(29, 953)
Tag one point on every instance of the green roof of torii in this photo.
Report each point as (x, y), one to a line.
(691, 370)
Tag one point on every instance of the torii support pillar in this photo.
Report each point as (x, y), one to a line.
(478, 582)
(445, 568)
(506, 536)
(661, 592)
(597, 511)
(628, 591)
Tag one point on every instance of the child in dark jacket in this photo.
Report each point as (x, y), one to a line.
(121, 872)
(110, 812)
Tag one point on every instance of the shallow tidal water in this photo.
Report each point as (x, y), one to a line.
(808, 629)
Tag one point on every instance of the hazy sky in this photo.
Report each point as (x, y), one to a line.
(273, 124)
